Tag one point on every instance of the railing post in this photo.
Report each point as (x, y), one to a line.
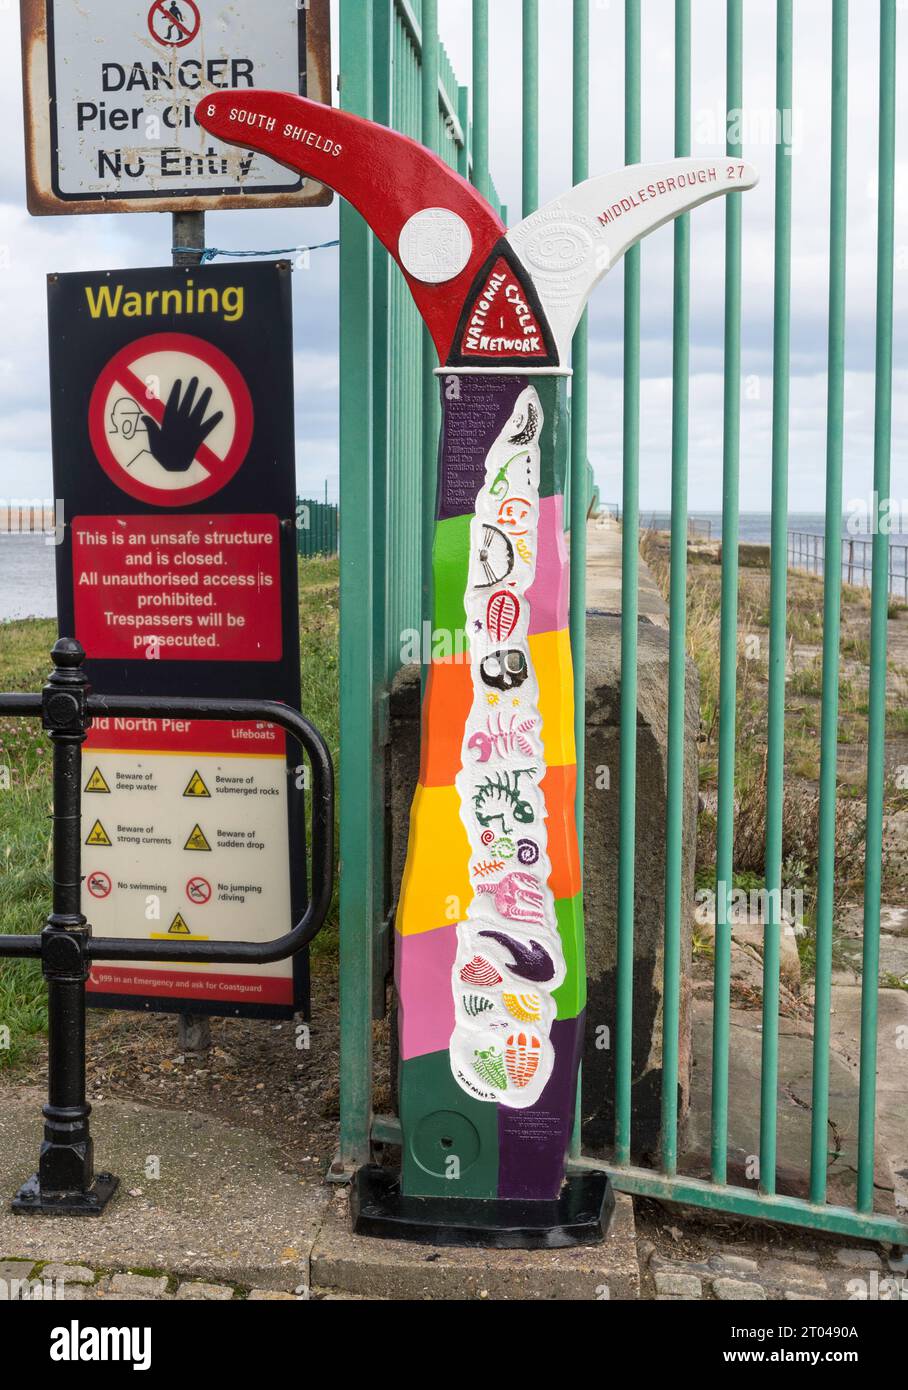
(358, 792)
(65, 1179)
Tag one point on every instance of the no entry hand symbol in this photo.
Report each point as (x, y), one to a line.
(170, 419)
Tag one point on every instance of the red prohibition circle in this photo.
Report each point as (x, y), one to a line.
(99, 884)
(118, 372)
(204, 887)
(189, 32)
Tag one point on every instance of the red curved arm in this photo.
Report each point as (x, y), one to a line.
(386, 176)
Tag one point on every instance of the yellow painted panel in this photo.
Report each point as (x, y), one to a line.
(436, 889)
(551, 653)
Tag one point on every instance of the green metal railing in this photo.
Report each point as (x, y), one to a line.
(316, 527)
(394, 68)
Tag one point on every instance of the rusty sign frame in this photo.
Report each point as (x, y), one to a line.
(43, 201)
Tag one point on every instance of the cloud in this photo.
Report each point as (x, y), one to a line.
(29, 248)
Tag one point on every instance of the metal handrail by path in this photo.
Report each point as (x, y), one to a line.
(65, 1182)
(807, 551)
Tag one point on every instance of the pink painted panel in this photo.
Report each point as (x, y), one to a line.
(549, 593)
(423, 965)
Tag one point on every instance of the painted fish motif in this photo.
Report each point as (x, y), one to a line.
(531, 961)
(480, 971)
(521, 1057)
(517, 896)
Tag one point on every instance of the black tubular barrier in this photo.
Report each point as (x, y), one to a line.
(65, 1183)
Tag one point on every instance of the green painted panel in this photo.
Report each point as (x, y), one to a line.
(443, 1123)
(571, 996)
(451, 558)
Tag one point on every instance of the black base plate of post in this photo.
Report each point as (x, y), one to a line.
(30, 1201)
(580, 1215)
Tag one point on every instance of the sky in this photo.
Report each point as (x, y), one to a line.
(30, 248)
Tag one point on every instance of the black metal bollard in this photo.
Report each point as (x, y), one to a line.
(65, 1183)
(65, 1180)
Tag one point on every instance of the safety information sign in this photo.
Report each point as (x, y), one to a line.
(111, 88)
(180, 842)
(174, 459)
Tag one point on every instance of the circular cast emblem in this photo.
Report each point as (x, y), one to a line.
(435, 245)
(560, 247)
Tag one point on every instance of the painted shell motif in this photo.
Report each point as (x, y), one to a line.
(502, 615)
(527, 1008)
(521, 1057)
(481, 972)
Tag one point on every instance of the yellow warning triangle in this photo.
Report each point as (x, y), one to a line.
(197, 839)
(196, 786)
(96, 782)
(178, 926)
(99, 835)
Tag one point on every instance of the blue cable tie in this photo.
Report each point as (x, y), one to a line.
(210, 253)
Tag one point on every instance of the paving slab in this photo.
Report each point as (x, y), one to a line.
(603, 575)
(892, 1071)
(227, 1207)
(400, 1269)
(795, 1100)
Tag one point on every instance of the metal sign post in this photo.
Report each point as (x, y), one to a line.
(489, 942)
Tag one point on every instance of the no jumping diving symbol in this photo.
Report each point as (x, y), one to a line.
(170, 419)
(174, 23)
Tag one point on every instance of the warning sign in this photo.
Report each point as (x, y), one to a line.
(170, 417)
(196, 785)
(146, 889)
(174, 24)
(197, 840)
(197, 590)
(98, 835)
(111, 88)
(173, 433)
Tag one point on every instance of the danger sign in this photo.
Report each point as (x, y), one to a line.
(170, 419)
(111, 86)
(174, 24)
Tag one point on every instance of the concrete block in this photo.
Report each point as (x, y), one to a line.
(403, 1270)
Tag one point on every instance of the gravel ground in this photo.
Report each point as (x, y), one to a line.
(254, 1075)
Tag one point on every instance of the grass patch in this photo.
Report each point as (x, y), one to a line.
(25, 789)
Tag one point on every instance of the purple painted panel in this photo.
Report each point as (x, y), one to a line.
(532, 1143)
(476, 410)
